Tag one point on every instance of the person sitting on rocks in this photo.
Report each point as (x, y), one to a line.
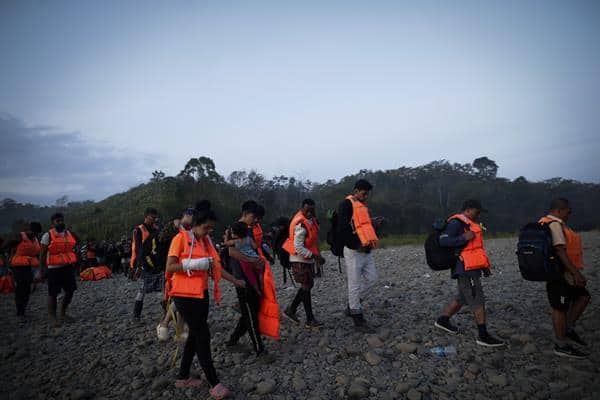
(303, 247)
(568, 296)
(464, 233)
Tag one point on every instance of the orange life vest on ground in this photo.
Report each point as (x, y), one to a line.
(194, 284)
(574, 245)
(361, 223)
(27, 253)
(312, 234)
(268, 313)
(60, 249)
(145, 234)
(95, 273)
(473, 255)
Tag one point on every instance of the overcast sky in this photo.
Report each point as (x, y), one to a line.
(94, 96)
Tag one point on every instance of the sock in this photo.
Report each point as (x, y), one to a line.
(444, 320)
(482, 331)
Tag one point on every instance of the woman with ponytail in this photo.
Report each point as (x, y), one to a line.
(192, 260)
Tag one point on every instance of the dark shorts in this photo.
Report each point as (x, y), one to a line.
(470, 292)
(561, 294)
(150, 282)
(61, 278)
(304, 274)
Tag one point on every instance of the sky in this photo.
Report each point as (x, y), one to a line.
(94, 96)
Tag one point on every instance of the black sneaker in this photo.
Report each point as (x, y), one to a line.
(265, 358)
(361, 325)
(568, 351)
(313, 323)
(489, 341)
(291, 316)
(445, 326)
(571, 334)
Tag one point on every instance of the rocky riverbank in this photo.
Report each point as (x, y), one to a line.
(103, 354)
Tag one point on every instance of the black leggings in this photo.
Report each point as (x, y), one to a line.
(248, 322)
(23, 279)
(195, 314)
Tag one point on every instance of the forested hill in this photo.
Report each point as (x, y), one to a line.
(410, 198)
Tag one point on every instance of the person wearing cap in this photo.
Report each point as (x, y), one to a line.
(465, 234)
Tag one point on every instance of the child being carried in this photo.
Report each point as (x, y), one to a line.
(243, 241)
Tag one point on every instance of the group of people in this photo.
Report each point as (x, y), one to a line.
(184, 259)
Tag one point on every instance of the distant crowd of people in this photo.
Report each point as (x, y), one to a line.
(183, 262)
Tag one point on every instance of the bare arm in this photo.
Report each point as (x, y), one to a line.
(561, 252)
(173, 265)
(228, 277)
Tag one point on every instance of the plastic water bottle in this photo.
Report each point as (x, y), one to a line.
(443, 351)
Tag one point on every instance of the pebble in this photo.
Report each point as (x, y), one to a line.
(499, 380)
(357, 391)
(414, 395)
(265, 387)
(372, 358)
(406, 347)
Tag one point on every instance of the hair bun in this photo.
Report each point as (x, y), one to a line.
(203, 205)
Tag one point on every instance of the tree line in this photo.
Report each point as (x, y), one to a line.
(409, 198)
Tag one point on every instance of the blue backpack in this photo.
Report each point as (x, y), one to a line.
(535, 252)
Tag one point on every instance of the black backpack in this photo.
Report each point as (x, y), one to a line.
(155, 258)
(439, 258)
(535, 253)
(333, 240)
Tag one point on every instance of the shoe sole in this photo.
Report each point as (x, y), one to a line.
(480, 343)
(578, 343)
(313, 326)
(291, 319)
(565, 355)
(444, 328)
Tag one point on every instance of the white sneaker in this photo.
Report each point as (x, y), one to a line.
(162, 333)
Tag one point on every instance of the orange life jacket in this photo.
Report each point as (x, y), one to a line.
(312, 234)
(60, 249)
(257, 234)
(7, 284)
(27, 253)
(473, 255)
(145, 234)
(361, 223)
(574, 245)
(268, 312)
(194, 284)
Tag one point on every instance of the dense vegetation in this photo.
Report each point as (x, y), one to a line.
(409, 198)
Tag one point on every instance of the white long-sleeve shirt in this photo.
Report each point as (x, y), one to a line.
(303, 254)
